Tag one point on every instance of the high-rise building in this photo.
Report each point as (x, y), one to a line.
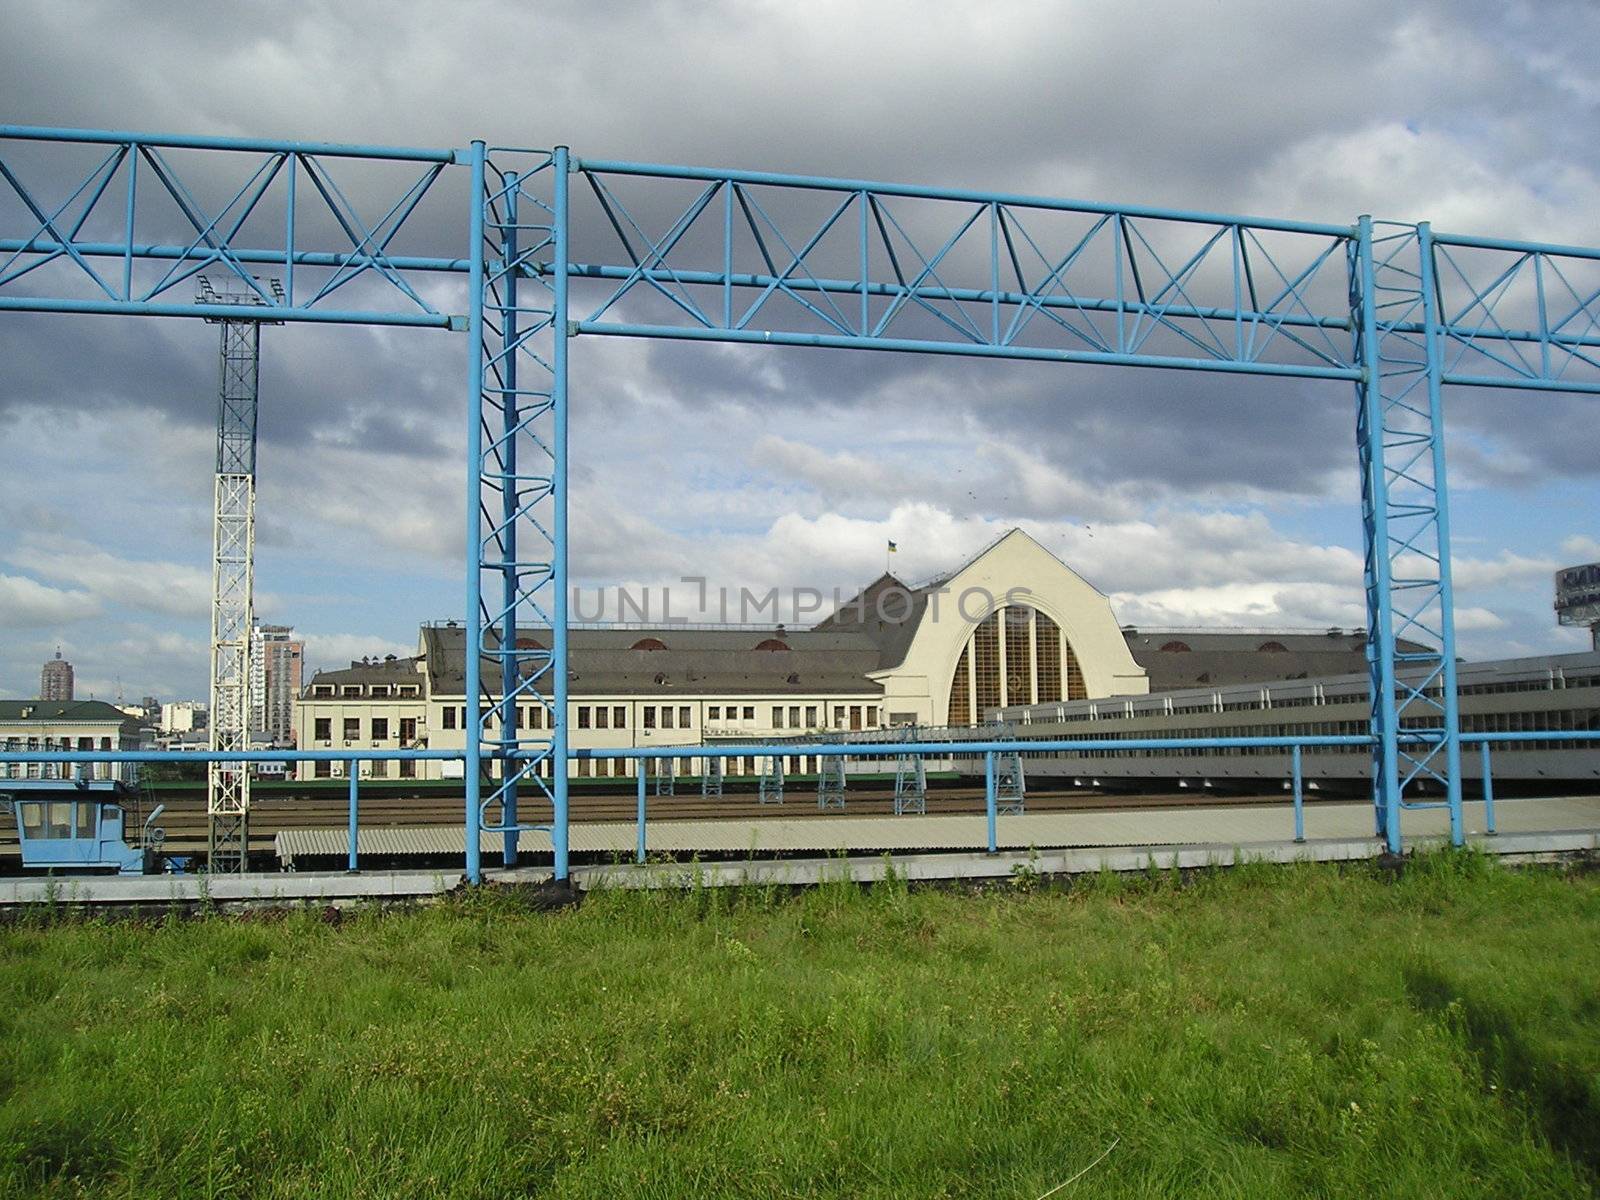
(55, 681)
(182, 716)
(276, 663)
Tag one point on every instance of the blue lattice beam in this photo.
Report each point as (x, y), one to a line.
(148, 190)
(1519, 315)
(955, 272)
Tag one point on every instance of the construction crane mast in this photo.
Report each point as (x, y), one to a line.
(233, 552)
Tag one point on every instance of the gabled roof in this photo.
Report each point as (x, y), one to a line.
(44, 711)
(893, 624)
(887, 612)
(1215, 658)
(399, 670)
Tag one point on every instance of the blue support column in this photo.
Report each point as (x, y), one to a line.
(1375, 536)
(1449, 696)
(354, 769)
(1299, 797)
(510, 505)
(521, 494)
(558, 533)
(639, 782)
(1405, 524)
(473, 630)
(990, 802)
(1488, 793)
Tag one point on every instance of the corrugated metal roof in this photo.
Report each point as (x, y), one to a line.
(1234, 825)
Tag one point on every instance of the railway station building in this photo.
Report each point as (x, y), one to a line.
(1012, 626)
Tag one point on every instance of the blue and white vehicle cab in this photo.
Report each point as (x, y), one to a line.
(80, 825)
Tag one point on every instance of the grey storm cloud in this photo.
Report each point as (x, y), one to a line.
(1480, 114)
(1111, 424)
(1025, 96)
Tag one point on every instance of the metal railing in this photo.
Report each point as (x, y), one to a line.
(991, 750)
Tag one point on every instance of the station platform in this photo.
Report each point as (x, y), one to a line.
(776, 852)
(832, 835)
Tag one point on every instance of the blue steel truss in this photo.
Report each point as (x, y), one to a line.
(1405, 521)
(791, 260)
(1517, 315)
(516, 497)
(101, 222)
(121, 223)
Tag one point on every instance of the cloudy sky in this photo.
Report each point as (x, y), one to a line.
(1190, 500)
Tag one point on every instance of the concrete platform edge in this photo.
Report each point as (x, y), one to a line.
(340, 889)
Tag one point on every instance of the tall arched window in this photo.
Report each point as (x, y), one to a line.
(1016, 655)
(986, 665)
(961, 693)
(1019, 652)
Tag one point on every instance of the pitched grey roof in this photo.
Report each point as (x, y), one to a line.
(836, 656)
(1224, 657)
(399, 670)
(693, 662)
(887, 612)
(12, 711)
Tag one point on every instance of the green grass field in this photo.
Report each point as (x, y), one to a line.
(1262, 1032)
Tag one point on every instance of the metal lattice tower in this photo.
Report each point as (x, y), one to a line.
(711, 777)
(830, 782)
(666, 777)
(1011, 784)
(1406, 523)
(233, 548)
(516, 506)
(910, 785)
(770, 788)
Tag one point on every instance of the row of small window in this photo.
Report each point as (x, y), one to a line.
(615, 716)
(1575, 719)
(617, 768)
(65, 743)
(1256, 705)
(852, 716)
(1517, 722)
(405, 768)
(667, 716)
(55, 770)
(1303, 729)
(322, 729)
(583, 768)
(1544, 684)
(354, 691)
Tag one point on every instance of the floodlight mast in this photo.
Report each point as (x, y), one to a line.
(233, 551)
